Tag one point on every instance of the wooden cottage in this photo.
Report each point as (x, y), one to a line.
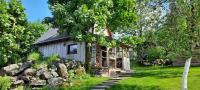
(116, 58)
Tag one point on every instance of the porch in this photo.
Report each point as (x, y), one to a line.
(111, 61)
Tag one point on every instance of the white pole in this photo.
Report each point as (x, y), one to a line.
(185, 74)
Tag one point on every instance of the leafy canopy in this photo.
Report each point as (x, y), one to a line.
(16, 33)
(78, 17)
(180, 31)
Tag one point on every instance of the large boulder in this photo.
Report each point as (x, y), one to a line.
(10, 70)
(55, 81)
(62, 70)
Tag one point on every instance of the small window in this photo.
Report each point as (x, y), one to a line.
(72, 49)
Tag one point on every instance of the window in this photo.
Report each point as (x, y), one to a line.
(72, 49)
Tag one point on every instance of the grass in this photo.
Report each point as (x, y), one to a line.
(158, 78)
(86, 84)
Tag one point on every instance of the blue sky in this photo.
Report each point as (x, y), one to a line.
(36, 9)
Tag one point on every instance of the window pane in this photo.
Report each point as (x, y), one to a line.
(72, 49)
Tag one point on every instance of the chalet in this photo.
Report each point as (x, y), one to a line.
(116, 58)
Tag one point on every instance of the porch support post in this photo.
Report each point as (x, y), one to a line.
(115, 57)
(107, 58)
(122, 58)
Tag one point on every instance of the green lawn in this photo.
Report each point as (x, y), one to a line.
(157, 78)
(86, 84)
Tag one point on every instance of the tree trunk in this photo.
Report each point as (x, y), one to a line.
(185, 74)
(88, 57)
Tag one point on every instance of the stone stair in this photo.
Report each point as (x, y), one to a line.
(113, 81)
(126, 74)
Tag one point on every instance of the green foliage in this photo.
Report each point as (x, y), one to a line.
(5, 82)
(76, 17)
(132, 40)
(46, 61)
(52, 58)
(180, 31)
(71, 74)
(17, 34)
(81, 18)
(155, 53)
(34, 56)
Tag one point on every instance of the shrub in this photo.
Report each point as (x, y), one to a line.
(80, 71)
(34, 56)
(71, 74)
(155, 53)
(52, 58)
(4, 83)
(46, 61)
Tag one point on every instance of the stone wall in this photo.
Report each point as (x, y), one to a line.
(53, 75)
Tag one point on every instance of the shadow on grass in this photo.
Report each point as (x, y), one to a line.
(158, 73)
(134, 87)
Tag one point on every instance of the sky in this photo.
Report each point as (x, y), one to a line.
(36, 10)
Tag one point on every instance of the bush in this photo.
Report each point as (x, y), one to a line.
(155, 53)
(46, 61)
(52, 58)
(5, 83)
(34, 56)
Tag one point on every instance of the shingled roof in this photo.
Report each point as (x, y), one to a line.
(50, 36)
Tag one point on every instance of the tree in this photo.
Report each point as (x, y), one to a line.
(78, 17)
(150, 14)
(180, 31)
(16, 34)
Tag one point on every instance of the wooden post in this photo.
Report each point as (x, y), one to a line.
(100, 60)
(115, 57)
(107, 58)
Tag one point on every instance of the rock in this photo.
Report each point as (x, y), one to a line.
(11, 67)
(10, 70)
(40, 72)
(29, 72)
(12, 73)
(20, 64)
(26, 79)
(17, 83)
(38, 82)
(46, 75)
(55, 81)
(54, 73)
(26, 65)
(62, 70)
(53, 67)
(23, 67)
